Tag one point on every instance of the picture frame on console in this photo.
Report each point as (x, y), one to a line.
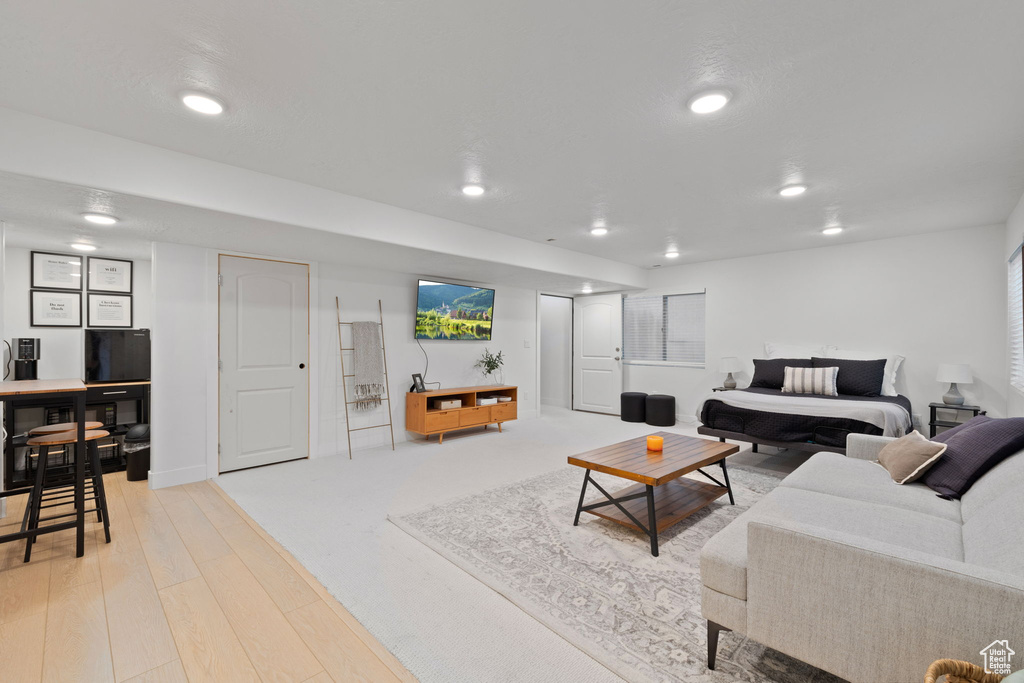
(55, 309)
(56, 271)
(110, 310)
(417, 383)
(110, 275)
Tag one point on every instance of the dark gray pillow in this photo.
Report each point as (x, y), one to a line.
(976, 447)
(856, 377)
(945, 436)
(771, 373)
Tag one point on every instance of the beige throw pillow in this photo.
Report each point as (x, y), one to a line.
(908, 457)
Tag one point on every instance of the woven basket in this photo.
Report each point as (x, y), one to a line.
(956, 671)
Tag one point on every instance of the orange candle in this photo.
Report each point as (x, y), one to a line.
(655, 443)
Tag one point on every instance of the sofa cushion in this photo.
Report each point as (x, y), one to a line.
(992, 534)
(723, 560)
(972, 452)
(866, 481)
(1006, 476)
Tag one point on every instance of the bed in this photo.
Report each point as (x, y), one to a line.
(798, 421)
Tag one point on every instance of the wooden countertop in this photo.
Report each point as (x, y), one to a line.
(40, 386)
(94, 385)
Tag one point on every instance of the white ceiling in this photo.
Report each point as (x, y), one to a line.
(903, 117)
(45, 215)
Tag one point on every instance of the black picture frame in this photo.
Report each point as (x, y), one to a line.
(417, 383)
(100, 295)
(38, 283)
(37, 297)
(92, 287)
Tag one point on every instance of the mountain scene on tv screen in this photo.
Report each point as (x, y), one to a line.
(454, 312)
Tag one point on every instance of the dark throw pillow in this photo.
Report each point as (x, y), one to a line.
(856, 377)
(976, 447)
(943, 437)
(771, 373)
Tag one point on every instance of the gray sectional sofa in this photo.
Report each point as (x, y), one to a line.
(842, 568)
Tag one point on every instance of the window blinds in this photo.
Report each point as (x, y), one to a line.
(1015, 296)
(663, 329)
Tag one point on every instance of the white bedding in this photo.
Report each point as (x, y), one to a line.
(892, 419)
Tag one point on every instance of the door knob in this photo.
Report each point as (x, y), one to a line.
(302, 366)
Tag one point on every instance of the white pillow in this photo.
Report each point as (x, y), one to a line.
(773, 350)
(892, 365)
(820, 381)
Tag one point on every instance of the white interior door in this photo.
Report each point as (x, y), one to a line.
(597, 353)
(264, 359)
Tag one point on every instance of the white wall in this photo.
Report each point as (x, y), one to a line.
(61, 351)
(934, 298)
(451, 362)
(1014, 237)
(556, 351)
(184, 331)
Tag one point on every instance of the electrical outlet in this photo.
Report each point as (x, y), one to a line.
(526, 395)
(526, 343)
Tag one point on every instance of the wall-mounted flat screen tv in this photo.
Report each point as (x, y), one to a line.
(453, 312)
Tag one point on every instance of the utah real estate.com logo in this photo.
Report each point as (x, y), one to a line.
(997, 657)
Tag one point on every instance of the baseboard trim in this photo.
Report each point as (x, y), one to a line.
(184, 475)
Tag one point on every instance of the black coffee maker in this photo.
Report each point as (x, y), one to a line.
(26, 356)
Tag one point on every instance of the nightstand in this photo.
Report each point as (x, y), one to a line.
(935, 422)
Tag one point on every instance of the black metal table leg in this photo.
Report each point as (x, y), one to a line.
(579, 507)
(80, 475)
(652, 523)
(728, 486)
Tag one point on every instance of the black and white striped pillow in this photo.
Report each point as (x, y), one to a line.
(820, 381)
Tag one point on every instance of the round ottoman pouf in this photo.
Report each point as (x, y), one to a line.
(661, 410)
(634, 406)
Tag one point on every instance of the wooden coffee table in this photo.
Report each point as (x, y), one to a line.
(662, 495)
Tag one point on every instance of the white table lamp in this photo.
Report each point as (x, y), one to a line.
(954, 374)
(729, 365)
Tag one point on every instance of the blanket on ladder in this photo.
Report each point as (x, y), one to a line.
(369, 364)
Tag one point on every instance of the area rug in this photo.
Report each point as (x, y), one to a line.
(597, 585)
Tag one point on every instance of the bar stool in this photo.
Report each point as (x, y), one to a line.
(55, 429)
(41, 494)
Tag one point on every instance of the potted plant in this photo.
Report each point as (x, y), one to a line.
(490, 365)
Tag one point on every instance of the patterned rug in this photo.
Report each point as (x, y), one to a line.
(597, 585)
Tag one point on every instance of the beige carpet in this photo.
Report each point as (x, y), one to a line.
(597, 585)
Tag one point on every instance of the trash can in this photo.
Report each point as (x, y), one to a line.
(136, 452)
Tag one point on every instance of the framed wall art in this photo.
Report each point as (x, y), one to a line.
(110, 310)
(109, 275)
(56, 271)
(55, 309)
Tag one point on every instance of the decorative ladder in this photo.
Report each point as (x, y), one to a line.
(344, 385)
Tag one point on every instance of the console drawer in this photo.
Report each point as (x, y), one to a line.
(503, 411)
(474, 416)
(444, 419)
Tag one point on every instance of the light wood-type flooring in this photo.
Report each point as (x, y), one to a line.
(189, 589)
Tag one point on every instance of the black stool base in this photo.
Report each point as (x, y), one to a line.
(633, 406)
(661, 410)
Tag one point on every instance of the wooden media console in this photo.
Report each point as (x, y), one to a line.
(422, 417)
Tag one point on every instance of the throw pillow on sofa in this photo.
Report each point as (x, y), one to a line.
(945, 436)
(972, 451)
(770, 373)
(909, 457)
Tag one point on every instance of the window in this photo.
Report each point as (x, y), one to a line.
(1015, 296)
(663, 329)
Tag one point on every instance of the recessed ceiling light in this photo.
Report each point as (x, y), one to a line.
(586, 290)
(204, 104)
(83, 247)
(832, 230)
(709, 101)
(672, 254)
(472, 190)
(793, 190)
(99, 218)
(599, 231)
